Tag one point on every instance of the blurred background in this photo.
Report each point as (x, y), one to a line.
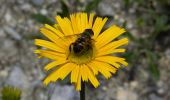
(148, 28)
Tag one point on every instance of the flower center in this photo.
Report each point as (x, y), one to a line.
(81, 55)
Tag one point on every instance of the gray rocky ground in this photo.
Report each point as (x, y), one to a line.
(20, 68)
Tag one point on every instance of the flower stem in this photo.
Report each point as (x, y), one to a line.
(82, 92)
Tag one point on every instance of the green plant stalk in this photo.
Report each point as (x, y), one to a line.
(82, 92)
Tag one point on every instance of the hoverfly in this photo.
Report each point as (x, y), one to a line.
(83, 42)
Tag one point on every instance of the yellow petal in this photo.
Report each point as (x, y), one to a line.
(74, 74)
(57, 27)
(84, 72)
(112, 60)
(74, 23)
(78, 20)
(98, 20)
(98, 25)
(78, 84)
(113, 45)
(54, 30)
(117, 51)
(92, 77)
(53, 37)
(65, 25)
(94, 69)
(82, 22)
(54, 64)
(49, 45)
(108, 35)
(51, 54)
(65, 70)
(91, 17)
(61, 73)
(111, 51)
(103, 68)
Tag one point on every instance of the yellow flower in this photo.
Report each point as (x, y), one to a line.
(97, 58)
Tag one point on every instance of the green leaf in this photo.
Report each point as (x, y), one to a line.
(161, 23)
(11, 93)
(65, 9)
(140, 21)
(130, 56)
(126, 3)
(92, 5)
(130, 36)
(42, 19)
(152, 58)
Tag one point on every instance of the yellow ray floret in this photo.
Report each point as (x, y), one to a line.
(54, 64)
(112, 60)
(98, 25)
(61, 73)
(108, 35)
(74, 74)
(50, 54)
(54, 30)
(49, 45)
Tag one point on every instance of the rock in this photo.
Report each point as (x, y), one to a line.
(2, 34)
(43, 11)
(106, 9)
(40, 94)
(8, 16)
(64, 93)
(167, 53)
(8, 50)
(3, 75)
(17, 78)
(26, 7)
(133, 85)
(126, 94)
(154, 97)
(12, 33)
(37, 2)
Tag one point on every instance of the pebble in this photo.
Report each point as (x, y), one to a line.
(154, 97)
(126, 94)
(167, 53)
(3, 73)
(2, 34)
(106, 9)
(37, 2)
(64, 93)
(43, 12)
(12, 33)
(8, 16)
(134, 84)
(3, 76)
(26, 7)
(7, 49)
(17, 78)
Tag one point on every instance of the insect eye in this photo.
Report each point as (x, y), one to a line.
(90, 31)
